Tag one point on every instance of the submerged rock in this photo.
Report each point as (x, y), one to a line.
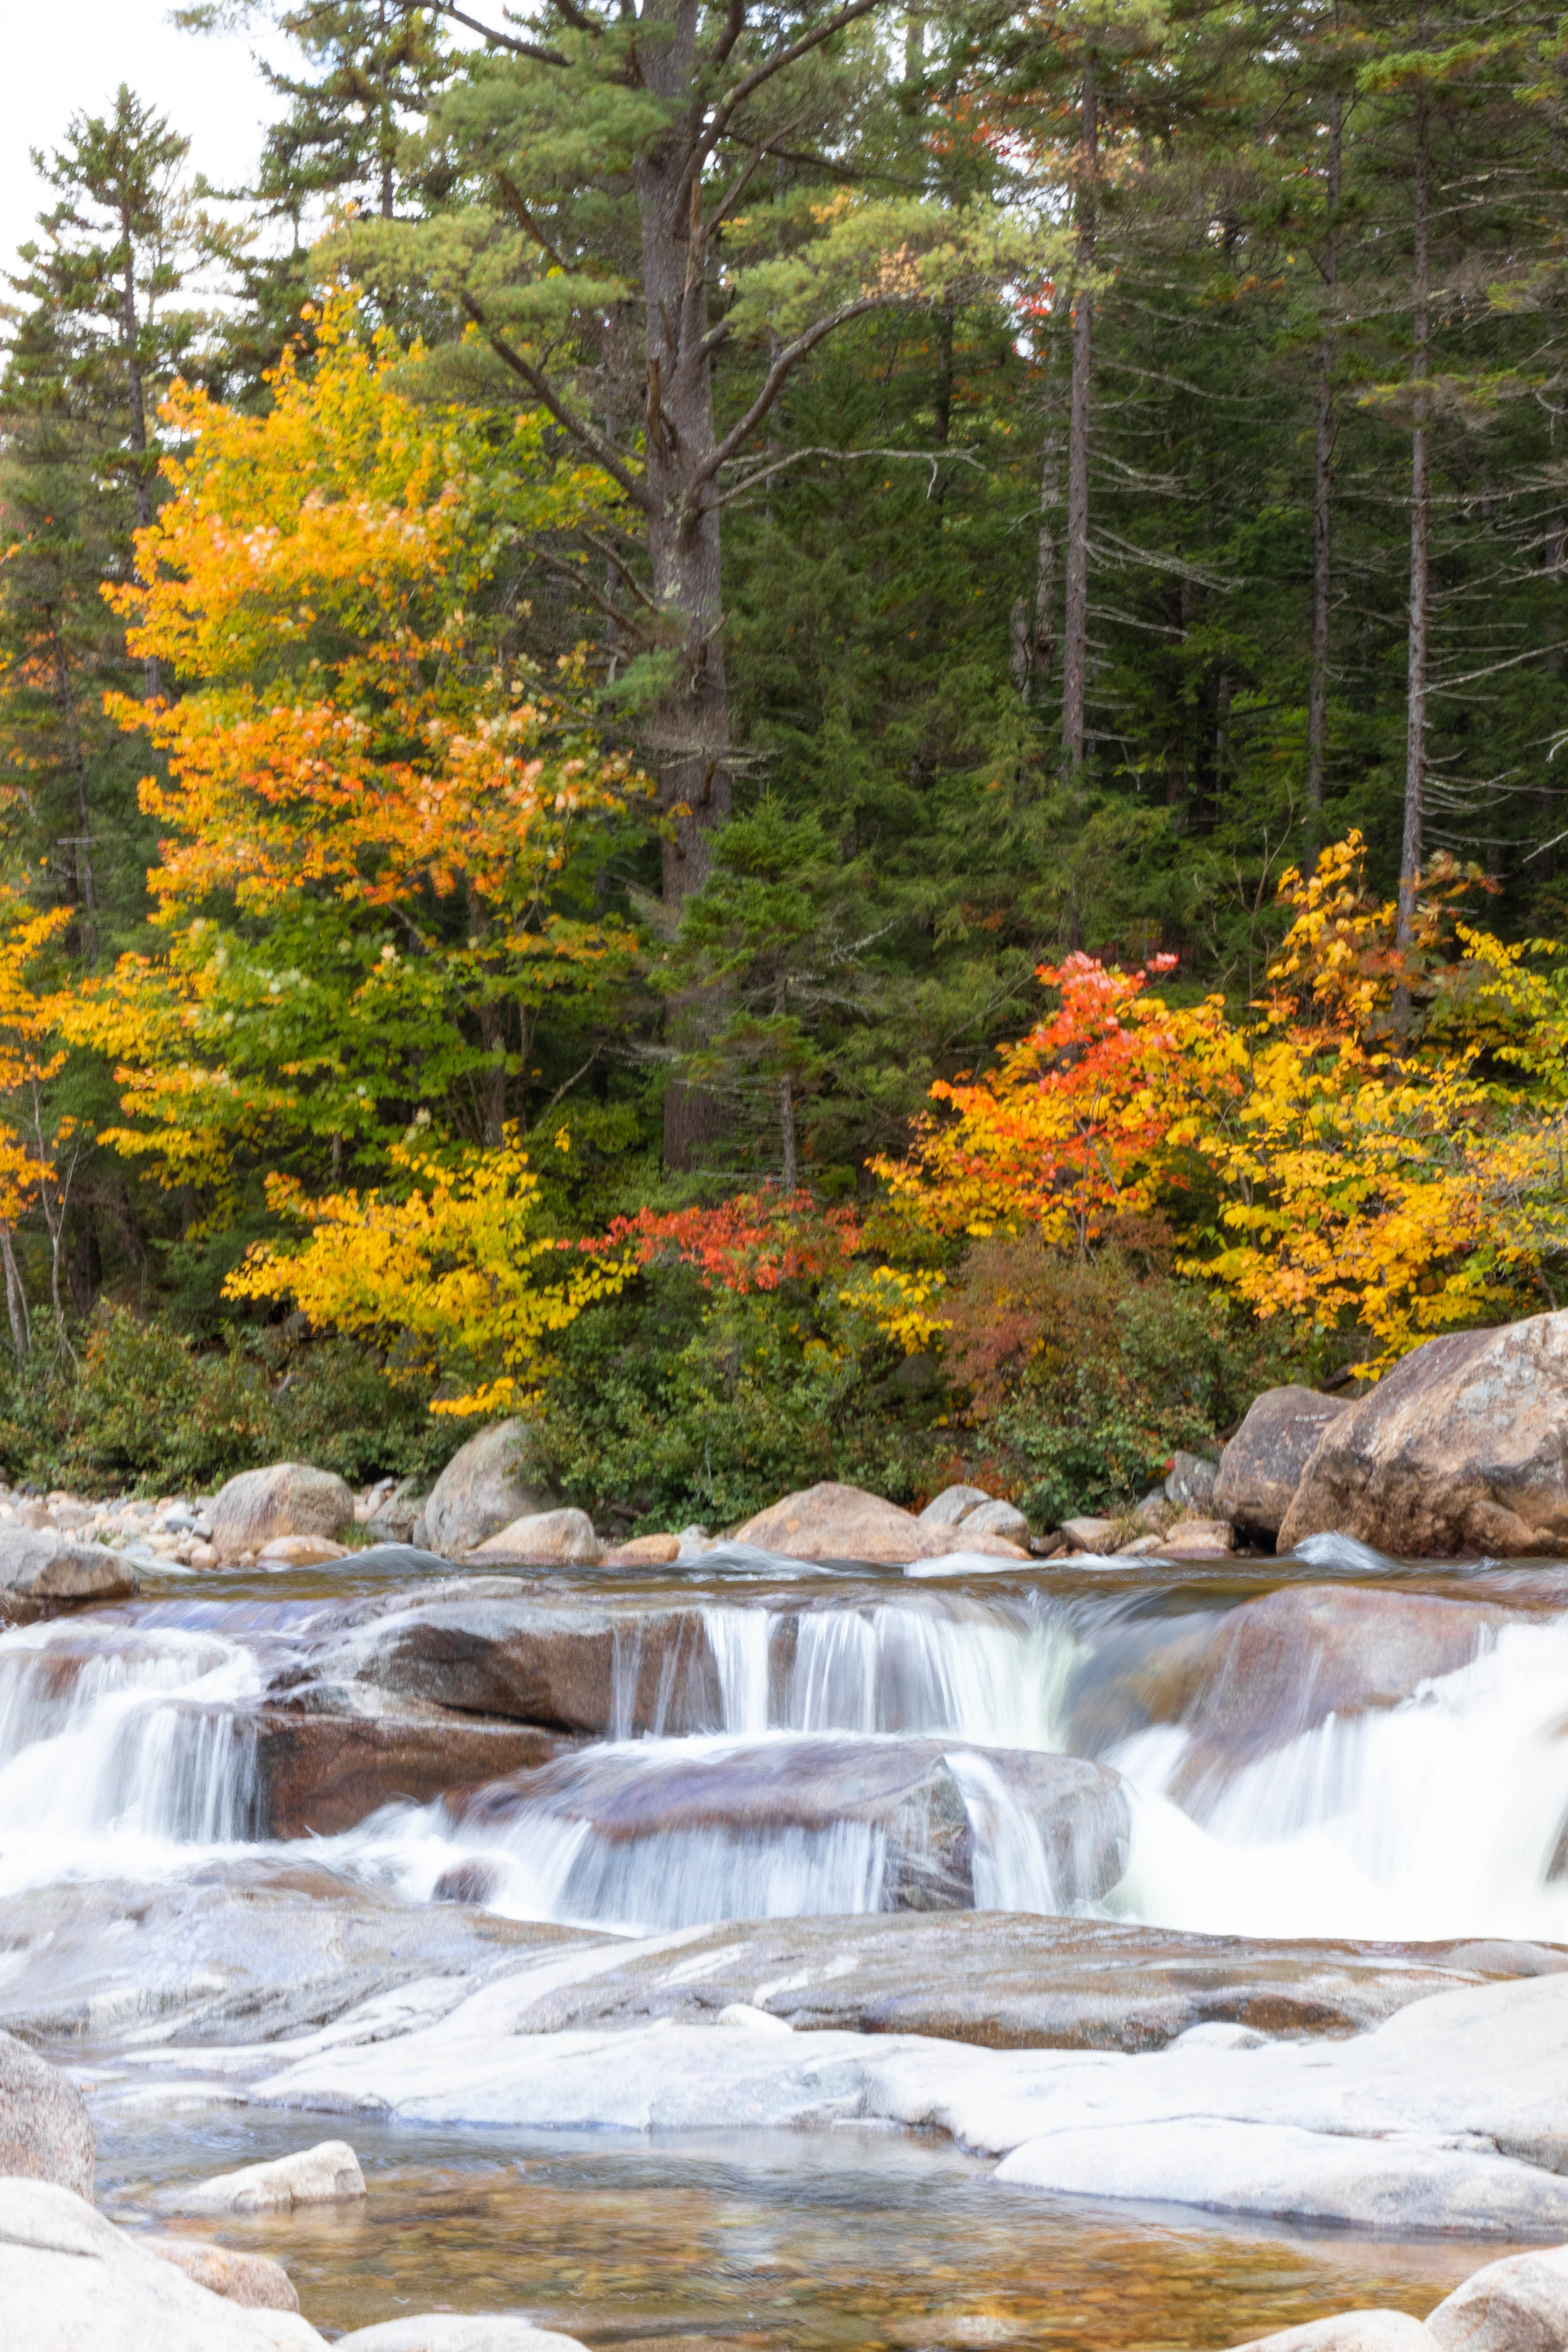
(1520, 2304)
(253, 2281)
(1457, 1450)
(46, 2133)
(327, 2174)
(287, 1498)
(481, 1490)
(546, 1539)
(1261, 1467)
(70, 2281)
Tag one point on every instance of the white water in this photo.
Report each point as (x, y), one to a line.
(1438, 1817)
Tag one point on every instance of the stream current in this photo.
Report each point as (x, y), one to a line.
(1392, 1767)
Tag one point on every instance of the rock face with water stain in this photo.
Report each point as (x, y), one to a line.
(915, 1796)
(1261, 1467)
(46, 2133)
(1459, 1450)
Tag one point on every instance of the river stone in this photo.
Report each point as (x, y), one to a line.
(1261, 1468)
(1091, 1535)
(319, 1772)
(644, 1551)
(995, 1518)
(327, 2174)
(1190, 1485)
(481, 1490)
(953, 1506)
(1248, 1681)
(71, 2281)
(301, 1551)
(253, 2281)
(1520, 2304)
(1197, 1540)
(1348, 2331)
(907, 1791)
(563, 1539)
(287, 1498)
(833, 1522)
(459, 2331)
(394, 1517)
(45, 2130)
(1457, 1450)
(42, 1577)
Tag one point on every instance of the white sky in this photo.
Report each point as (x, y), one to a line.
(64, 56)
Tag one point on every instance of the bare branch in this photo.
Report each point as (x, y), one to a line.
(934, 458)
(753, 81)
(526, 221)
(500, 40)
(603, 452)
(778, 375)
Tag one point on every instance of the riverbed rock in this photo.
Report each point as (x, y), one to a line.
(1348, 2331)
(1190, 1485)
(1197, 1540)
(394, 1517)
(1091, 1535)
(327, 2174)
(953, 1506)
(71, 2281)
(1261, 1467)
(1520, 2304)
(1459, 1450)
(995, 1516)
(301, 1551)
(41, 1576)
(1257, 1677)
(317, 1772)
(482, 1489)
(644, 1551)
(458, 2331)
(253, 2281)
(287, 1498)
(829, 1521)
(918, 1797)
(46, 2133)
(563, 1539)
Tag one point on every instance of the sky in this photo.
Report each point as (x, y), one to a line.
(66, 57)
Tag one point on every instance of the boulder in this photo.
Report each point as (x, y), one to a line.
(915, 1795)
(1261, 1467)
(644, 1551)
(481, 1490)
(1190, 1483)
(1091, 1535)
(253, 2281)
(318, 1771)
(1348, 2331)
(287, 1498)
(1457, 1450)
(563, 1538)
(394, 1517)
(301, 1551)
(995, 1518)
(42, 1577)
(953, 1505)
(44, 2131)
(1197, 1540)
(833, 1522)
(459, 2331)
(71, 2281)
(1520, 2304)
(327, 2174)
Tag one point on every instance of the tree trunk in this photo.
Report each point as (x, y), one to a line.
(15, 1299)
(1322, 499)
(86, 886)
(1075, 632)
(1416, 690)
(130, 335)
(690, 731)
(1033, 638)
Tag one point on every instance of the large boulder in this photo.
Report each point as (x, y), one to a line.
(45, 2130)
(40, 1576)
(71, 2281)
(327, 2174)
(318, 1771)
(834, 1522)
(481, 1490)
(936, 1813)
(1261, 1467)
(1459, 1449)
(254, 2281)
(1520, 2304)
(1348, 2331)
(287, 1498)
(546, 1539)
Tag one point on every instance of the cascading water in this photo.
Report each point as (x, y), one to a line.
(1435, 1806)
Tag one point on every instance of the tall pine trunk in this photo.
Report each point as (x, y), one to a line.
(1416, 688)
(1322, 497)
(1075, 629)
(1033, 635)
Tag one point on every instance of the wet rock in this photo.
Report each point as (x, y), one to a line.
(45, 2130)
(71, 2281)
(644, 1551)
(42, 1577)
(1247, 1682)
(915, 1795)
(1190, 1484)
(459, 2331)
(953, 1506)
(327, 2174)
(481, 1490)
(1520, 2304)
(317, 1772)
(1457, 1450)
(1261, 1468)
(288, 1498)
(834, 1522)
(563, 1538)
(253, 2281)
(467, 1882)
(301, 1551)
(1348, 2331)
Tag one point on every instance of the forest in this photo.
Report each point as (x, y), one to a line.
(816, 741)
